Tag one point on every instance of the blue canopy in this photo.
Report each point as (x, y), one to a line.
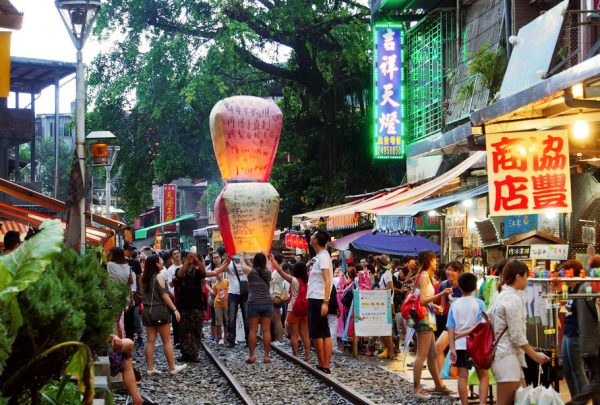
(399, 245)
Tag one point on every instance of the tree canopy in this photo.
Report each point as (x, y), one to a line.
(175, 59)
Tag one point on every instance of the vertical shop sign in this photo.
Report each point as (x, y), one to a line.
(388, 91)
(528, 173)
(169, 205)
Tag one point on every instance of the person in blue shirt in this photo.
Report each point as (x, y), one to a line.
(463, 315)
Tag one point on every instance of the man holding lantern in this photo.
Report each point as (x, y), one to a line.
(319, 289)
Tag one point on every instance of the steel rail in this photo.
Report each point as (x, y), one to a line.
(345, 391)
(239, 390)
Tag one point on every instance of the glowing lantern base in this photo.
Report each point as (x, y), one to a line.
(247, 215)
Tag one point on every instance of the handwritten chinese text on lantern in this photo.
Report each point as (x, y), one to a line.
(247, 214)
(528, 173)
(245, 133)
(388, 92)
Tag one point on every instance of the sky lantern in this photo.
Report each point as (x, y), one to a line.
(245, 133)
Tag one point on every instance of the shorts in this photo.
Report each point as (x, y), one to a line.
(318, 326)
(293, 319)
(421, 327)
(221, 317)
(260, 311)
(507, 369)
(463, 360)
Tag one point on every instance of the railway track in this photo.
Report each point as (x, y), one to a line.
(295, 381)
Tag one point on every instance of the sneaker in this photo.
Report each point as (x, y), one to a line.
(153, 372)
(177, 369)
(221, 342)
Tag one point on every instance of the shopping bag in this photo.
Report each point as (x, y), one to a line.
(523, 395)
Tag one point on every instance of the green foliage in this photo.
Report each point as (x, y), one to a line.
(487, 67)
(74, 300)
(61, 391)
(18, 271)
(211, 193)
(178, 68)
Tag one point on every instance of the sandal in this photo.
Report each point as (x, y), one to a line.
(442, 391)
(251, 360)
(422, 393)
(266, 360)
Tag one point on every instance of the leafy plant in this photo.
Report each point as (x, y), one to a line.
(486, 66)
(18, 271)
(74, 300)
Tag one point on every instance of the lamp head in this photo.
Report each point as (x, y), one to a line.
(78, 16)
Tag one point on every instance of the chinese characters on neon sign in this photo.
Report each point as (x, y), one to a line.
(528, 173)
(388, 108)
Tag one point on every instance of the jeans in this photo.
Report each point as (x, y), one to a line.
(573, 365)
(235, 302)
(592, 389)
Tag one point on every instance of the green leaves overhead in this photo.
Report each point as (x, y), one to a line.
(176, 58)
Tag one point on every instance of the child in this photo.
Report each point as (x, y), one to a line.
(221, 291)
(462, 318)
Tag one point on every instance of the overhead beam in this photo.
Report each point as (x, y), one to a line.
(534, 124)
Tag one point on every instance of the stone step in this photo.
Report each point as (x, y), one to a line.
(102, 366)
(99, 401)
(102, 385)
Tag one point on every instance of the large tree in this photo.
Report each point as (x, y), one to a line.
(177, 58)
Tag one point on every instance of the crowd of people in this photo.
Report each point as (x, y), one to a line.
(306, 300)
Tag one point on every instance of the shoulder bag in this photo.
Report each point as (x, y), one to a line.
(159, 314)
(412, 306)
(243, 284)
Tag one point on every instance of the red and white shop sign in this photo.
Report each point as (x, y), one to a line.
(528, 173)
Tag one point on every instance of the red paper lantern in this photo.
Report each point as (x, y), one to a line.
(287, 240)
(245, 133)
(247, 214)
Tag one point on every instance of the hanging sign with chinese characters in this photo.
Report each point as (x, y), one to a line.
(169, 205)
(388, 126)
(528, 173)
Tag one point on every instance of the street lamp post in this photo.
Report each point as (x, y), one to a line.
(78, 17)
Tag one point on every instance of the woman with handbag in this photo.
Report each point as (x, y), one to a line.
(156, 316)
(509, 314)
(425, 326)
(260, 304)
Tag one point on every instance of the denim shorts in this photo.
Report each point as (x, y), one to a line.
(260, 311)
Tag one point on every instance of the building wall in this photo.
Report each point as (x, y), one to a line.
(44, 127)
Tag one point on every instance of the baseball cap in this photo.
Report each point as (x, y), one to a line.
(128, 245)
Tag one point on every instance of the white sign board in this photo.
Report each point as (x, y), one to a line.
(372, 313)
(550, 252)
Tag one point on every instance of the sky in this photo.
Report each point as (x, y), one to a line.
(44, 36)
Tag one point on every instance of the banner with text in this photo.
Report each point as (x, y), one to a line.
(528, 173)
(169, 206)
(372, 313)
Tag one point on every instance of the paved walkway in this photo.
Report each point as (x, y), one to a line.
(400, 367)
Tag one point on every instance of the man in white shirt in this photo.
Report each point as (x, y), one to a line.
(168, 274)
(236, 299)
(318, 292)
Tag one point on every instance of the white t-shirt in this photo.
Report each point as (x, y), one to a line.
(234, 284)
(316, 281)
(385, 279)
(277, 283)
(464, 313)
(168, 275)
